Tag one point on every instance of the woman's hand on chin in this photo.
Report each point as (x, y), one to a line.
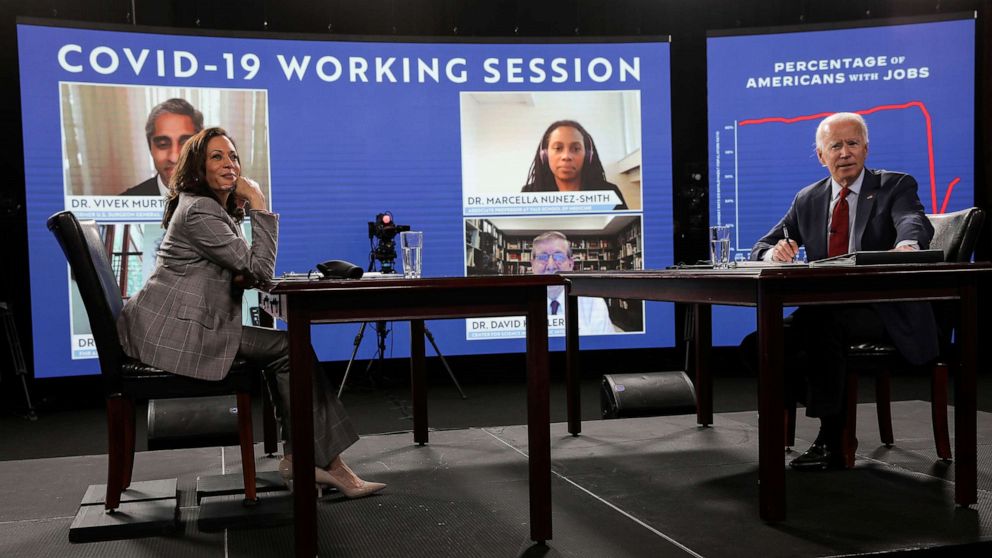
(249, 192)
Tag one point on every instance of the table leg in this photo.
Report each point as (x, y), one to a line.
(301, 418)
(703, 336)
(418, 381)
(270, 433)
(965, 385)
(572, 372)
(538, 416)
(771, 398)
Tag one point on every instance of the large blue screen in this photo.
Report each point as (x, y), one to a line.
(440, 134)
(913, 83)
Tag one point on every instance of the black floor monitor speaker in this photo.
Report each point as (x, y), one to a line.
(647, 395)
(193, 422)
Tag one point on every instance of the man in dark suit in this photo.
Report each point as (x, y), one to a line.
(853, 209)
(169, 125)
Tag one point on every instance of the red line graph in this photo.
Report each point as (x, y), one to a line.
(904, 106)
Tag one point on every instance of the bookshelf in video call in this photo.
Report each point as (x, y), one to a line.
(492, 251)
(489, 250)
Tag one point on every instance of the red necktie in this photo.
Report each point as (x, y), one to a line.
(839, 226)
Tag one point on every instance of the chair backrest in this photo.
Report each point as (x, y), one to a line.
(87, 256)
(957, 233)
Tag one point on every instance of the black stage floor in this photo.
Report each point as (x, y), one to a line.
(651, 487)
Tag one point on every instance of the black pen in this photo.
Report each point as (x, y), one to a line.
(785, 231)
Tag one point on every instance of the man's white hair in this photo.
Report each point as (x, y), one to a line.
(836, 117)
(550, 236)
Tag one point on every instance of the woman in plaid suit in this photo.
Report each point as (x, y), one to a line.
(187, 317)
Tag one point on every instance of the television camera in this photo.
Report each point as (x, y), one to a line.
(382, 240)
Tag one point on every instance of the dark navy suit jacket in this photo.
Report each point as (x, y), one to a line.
(889, 211)
(146, 188)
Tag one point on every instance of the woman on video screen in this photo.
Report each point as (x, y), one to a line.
(567, 161)
(187, 317)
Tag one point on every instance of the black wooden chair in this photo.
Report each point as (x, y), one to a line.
(126, 380)
(956, 234)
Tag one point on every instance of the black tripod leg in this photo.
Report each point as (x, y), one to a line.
(20, 368)
(430, 337)
(27, 397)
(381, 332)
(347, 370)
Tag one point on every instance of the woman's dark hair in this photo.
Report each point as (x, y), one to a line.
(190, 176)
(540, 177)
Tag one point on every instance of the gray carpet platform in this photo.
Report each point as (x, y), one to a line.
(651, 487)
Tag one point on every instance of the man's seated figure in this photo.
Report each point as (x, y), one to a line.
(852, 209)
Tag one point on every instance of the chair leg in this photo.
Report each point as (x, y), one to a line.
(883, 399)
(115, 453)
(129, 435)
(849, 439)
(938, 411)
(247, 446)
(269, 431)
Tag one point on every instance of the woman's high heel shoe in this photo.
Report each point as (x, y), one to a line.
(364, 489)
(325, 479)
(286, 472)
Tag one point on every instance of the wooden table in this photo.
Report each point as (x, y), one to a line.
(301, 303)
(769, 290)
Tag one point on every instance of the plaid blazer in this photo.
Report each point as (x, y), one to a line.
(187, 317)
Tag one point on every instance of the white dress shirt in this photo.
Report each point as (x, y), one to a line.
(594, 315)
(163, 188)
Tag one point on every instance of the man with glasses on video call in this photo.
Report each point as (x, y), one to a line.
(552, 253)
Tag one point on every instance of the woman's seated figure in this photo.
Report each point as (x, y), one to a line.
(187, 317)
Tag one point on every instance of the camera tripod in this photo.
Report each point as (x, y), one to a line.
(20, 369)
(381, 333)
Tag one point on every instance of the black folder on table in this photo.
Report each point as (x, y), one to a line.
(880, 257)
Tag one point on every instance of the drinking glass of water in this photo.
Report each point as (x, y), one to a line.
(720, 246)
(412, 243)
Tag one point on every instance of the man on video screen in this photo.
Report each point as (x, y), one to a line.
(169, 125)
(551, 253)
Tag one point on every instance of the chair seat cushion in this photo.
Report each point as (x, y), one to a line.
(142, 381)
